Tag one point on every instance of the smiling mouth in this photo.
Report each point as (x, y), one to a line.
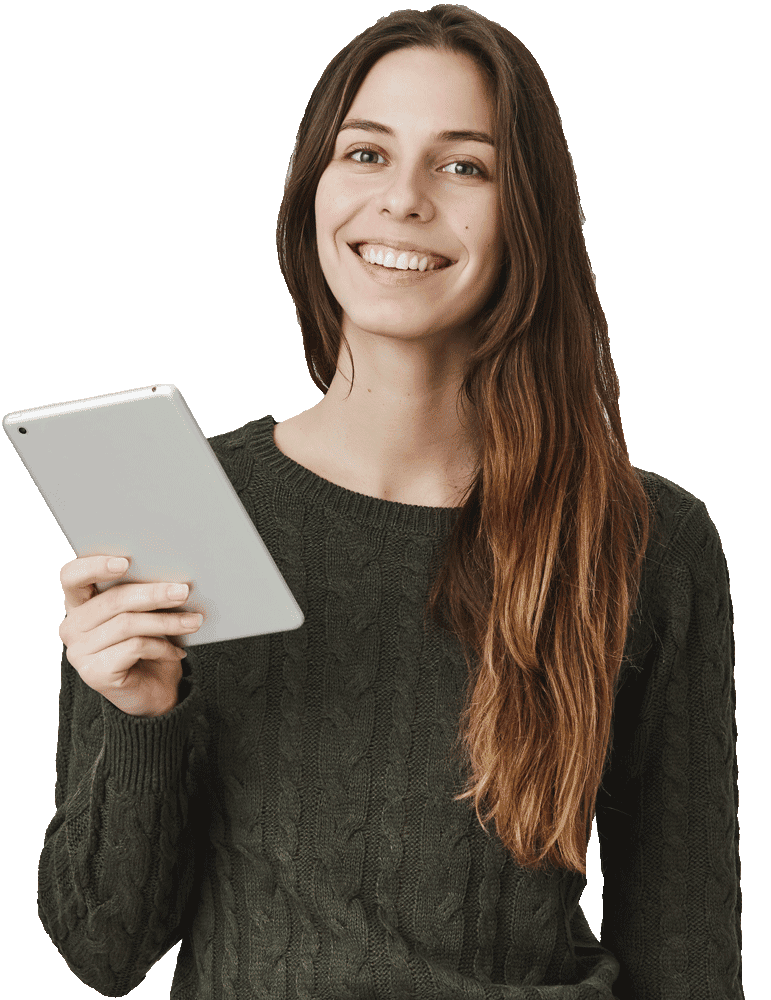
(430, 267)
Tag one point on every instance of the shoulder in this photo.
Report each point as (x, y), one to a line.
(669, 501)
(676, 513)
(243, 448)
(240, 438)
(684, 549)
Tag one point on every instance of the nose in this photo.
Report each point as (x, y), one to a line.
(404, 194)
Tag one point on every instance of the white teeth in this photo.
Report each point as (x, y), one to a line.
(404, 262)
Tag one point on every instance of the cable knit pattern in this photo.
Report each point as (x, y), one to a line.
(291, 821)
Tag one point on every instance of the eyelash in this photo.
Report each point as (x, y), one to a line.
(369, 149)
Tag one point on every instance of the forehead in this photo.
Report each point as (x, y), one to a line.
(418, 85)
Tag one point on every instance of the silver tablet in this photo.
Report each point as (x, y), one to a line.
(131, 474)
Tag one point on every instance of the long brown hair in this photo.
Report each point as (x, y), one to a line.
(540, 574)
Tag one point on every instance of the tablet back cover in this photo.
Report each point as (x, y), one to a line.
(131, 473)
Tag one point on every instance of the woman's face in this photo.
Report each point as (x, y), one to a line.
(411, 188)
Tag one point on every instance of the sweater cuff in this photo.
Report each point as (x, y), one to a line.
(147, 754)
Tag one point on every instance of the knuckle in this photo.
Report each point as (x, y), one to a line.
(115, 599)
(136, 644)
(69, 573)
(73, 655)
(87, 673)
(124, 621)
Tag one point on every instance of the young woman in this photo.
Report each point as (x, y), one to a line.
(481, 569)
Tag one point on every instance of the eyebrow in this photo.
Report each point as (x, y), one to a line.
(457, 135)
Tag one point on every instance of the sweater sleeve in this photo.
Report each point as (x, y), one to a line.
(667, 813)
(121, 856)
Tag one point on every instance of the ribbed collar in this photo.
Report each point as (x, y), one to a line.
(433, 521)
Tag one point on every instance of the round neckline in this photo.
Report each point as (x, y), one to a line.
(359, 506)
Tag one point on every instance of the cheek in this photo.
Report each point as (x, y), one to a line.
(332, 195)
(320, 201)
(492, 254)
(327, 196)
(491, 245)
(482, 232)
(324, 220)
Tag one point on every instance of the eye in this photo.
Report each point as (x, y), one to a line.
(374, 152)
(367, 149)
(466, 163)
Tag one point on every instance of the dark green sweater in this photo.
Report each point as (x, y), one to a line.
(292, 820)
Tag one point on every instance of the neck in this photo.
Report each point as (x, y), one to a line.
(398, 443)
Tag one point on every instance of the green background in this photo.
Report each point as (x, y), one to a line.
(145, 147)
